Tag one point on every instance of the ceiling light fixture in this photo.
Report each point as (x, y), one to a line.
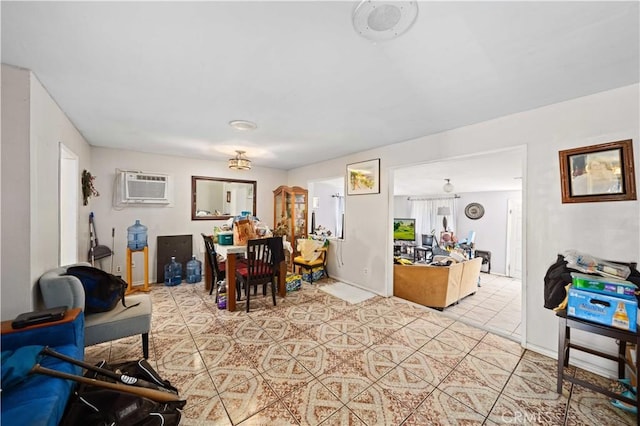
(384, 20)
(240, 162)
(243, 125)
(448, 187)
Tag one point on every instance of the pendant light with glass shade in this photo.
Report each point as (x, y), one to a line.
(448, 187)
(240, 162)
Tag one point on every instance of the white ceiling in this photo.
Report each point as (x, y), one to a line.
(495, 171)
(167, 77)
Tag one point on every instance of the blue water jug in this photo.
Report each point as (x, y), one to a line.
(137, 236)
(194, 270)
(172, 273)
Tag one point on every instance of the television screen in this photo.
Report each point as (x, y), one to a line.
(404, 229)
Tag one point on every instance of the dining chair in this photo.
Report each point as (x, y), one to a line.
(276, 245)
(260, 269)
(218, 269)
(426, 249)
(319, 262)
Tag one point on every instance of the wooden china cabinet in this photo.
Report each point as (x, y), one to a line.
(290, 213)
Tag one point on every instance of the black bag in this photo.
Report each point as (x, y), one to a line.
(97, 406)
(102, 291)
(555, 280)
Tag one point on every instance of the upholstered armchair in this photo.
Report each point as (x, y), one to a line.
(59, 289)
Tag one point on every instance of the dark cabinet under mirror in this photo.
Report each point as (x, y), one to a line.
(219, 198)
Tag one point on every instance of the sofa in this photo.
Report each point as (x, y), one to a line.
(40, 400)
(436, 286)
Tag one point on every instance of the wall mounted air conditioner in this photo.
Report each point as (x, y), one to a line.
(134, 187)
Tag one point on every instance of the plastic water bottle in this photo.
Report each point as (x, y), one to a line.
(222, 294)
(194, 270)
(172, 273)
(137, 236)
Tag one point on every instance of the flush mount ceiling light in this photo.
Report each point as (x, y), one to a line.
(240, 162)
(243, 124)
(448, 187)
(384, 20)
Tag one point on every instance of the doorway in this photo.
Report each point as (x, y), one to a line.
(69, 178)
(494, 181)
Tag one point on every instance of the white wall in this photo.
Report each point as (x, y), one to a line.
(162, 220)
(491, 229)
(610, 230)
(15, 288)
(402, 207)
(33, 127)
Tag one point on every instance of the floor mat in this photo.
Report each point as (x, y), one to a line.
(347, 292)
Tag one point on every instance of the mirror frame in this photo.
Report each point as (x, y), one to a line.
(195, 179)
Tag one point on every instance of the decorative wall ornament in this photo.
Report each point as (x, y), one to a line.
(88, 190)
(474, 211)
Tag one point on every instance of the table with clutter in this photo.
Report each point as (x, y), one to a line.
(599, 300)
(230, 253)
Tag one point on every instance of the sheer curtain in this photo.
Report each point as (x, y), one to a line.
(425, 211)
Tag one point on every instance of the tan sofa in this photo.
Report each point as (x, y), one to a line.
(436, 286)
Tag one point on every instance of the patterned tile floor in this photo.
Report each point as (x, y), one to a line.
(315, 359)
(496, 306)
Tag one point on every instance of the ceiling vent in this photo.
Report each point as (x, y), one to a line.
(384, 20)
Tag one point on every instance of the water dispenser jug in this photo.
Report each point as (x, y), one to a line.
(194, 270)
(137, 236)
(172, 273)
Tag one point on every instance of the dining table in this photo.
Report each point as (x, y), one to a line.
(230, 253)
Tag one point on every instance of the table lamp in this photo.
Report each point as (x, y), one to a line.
(444, 212)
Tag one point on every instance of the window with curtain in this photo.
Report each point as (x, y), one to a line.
(425, 211)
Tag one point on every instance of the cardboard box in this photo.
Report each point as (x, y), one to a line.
(318, 273)
(604, 285)
(293, 282)
(604, 309)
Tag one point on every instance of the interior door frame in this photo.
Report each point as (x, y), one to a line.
(68, 197)
(511, 241)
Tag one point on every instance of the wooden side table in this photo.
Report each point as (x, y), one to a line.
(566, 323)
(69, 316)
(145, 286)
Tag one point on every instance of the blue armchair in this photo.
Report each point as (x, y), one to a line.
(41, 400)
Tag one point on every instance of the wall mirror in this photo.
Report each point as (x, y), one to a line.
(219, 199)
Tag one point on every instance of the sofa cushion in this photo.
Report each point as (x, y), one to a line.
(119, 322)
(39, 399)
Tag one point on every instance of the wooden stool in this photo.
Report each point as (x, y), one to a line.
(566, 323)
(145, 286)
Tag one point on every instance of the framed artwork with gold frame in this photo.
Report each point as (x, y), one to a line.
(596, 173)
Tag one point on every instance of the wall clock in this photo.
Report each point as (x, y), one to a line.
(474, 211)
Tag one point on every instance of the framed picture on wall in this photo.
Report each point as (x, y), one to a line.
(601, 172)
(363, 177)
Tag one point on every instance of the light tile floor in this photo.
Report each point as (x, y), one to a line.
(315, 359)
(496, 306)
